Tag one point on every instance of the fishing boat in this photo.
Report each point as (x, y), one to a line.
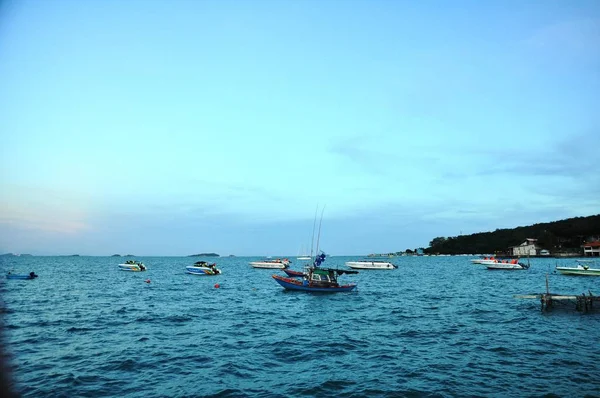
(271, 264)
(31, 275)
(203, 268)
(133, 266)
(317, 279)
(581, 269)
(371, 264)
(507, 265)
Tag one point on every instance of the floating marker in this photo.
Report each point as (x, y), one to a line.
(217, 286)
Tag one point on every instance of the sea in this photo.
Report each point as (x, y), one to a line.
(433, 327)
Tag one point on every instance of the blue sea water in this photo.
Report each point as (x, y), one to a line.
(436, 326)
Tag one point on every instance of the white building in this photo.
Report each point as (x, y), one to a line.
(527, 248)
(591, 249)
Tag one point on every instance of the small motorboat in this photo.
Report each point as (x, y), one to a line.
(507, 265)
(581, 269)
(133, 266)
(271, 264)
(30, 276)
(203, 268)
(371, 264)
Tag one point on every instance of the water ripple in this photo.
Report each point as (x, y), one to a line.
(436, 327)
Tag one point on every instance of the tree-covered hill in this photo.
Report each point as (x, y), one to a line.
(563, 235)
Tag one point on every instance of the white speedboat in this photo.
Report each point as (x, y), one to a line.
(304, 258)
(133, 266)
(370, 264)
(271, 264)
(485, 260)
(580, 269)
(506, 265)
(202, 268)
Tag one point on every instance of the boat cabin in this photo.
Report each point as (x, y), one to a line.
(322, 278)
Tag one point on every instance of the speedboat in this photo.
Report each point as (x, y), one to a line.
(203, 268)
(506, 265)
(580, 269)
(133, 266)
(371, 264)
(484, 261)
(29, 276)
(271, 264)
(303, 258)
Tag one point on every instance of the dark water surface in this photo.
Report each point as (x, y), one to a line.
(437, 326)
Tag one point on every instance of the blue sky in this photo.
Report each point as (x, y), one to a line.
(176, 127)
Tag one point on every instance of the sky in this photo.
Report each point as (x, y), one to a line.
(178, 127)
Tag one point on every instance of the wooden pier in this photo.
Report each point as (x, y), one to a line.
(583, 302)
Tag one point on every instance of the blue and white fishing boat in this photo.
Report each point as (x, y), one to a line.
(203, 268)
(317, 279)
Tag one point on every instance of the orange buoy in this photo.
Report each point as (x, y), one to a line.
(217, 286)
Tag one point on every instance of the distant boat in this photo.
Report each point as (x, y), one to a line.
(29, 276)
(203, 268)
(371, 264)
(581, 269)
(132, 266)
(271, 264)
(302, 255)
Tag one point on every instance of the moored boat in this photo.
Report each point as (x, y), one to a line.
(582, 269)
(30, 276)
(133, 266)
(292, 273)
(371, 264)
(271, 264)
(203, 268)
(317, 279)
(507, 265)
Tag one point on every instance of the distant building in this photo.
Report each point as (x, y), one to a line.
(591, 249)
(527, 248)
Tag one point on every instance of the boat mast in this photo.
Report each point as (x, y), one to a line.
(319, 236)
(312, 241)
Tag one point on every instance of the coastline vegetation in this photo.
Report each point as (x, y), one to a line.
(564, 236)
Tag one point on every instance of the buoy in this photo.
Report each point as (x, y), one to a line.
(217, 286)
(147, 281)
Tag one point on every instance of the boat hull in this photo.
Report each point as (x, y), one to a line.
(292, 273)
(580, 271)
(20, 277)
(370, 265)
(202, 271)
(301, 285)
(268, 265)
(506, 267)
(130, 268)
